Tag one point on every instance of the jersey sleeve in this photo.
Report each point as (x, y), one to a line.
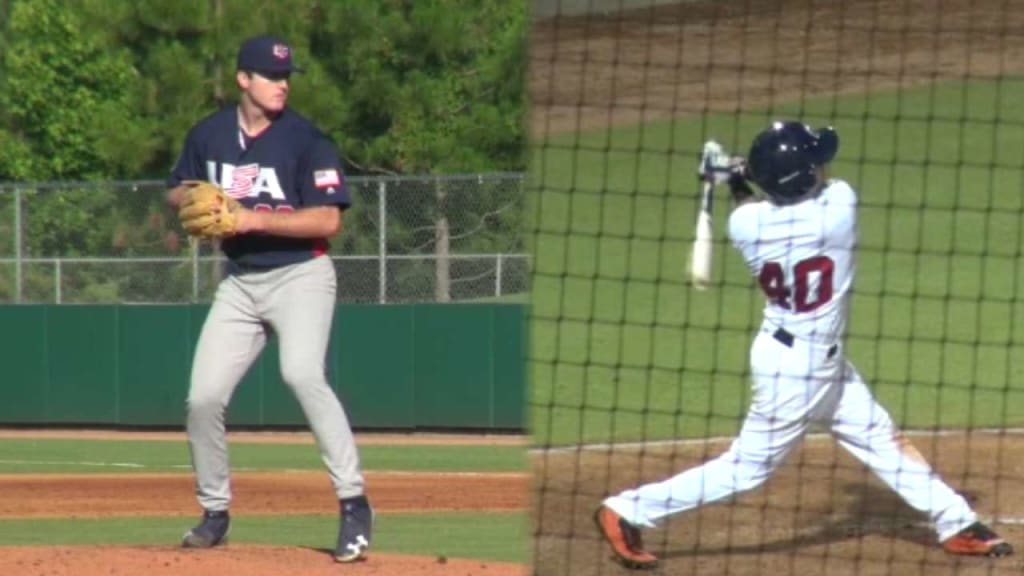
(743, 226)
(840, 192)
(190, 163)
(842, 201)
(322, 179)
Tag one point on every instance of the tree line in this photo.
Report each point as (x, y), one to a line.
(106, 89)
(100, 90)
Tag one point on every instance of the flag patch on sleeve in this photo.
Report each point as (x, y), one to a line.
(326, 178)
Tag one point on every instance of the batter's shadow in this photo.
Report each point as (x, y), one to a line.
(874, 511)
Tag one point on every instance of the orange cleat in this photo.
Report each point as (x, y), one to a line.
(977, 540)
(625, 540)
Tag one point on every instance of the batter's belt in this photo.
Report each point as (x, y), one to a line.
(786, 339)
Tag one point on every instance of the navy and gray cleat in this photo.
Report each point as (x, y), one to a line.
(356, 530)
(211, 531)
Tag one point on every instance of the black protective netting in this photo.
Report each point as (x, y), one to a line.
(637, 376)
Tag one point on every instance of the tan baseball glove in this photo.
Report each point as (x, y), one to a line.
(207, 212)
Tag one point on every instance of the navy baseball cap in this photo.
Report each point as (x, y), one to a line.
(266, 54)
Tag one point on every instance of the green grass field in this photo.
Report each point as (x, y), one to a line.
(100, 456)
(622, 349)
(494, 536)
(491, 536)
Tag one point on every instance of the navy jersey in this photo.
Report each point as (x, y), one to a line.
(289, 165)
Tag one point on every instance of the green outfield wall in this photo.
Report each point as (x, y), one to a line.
(394, 366)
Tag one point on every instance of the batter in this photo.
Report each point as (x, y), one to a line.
(799, 244)
(287, 176)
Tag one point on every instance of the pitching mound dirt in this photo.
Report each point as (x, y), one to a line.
(247, 560)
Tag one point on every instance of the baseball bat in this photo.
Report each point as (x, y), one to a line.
(700, 259)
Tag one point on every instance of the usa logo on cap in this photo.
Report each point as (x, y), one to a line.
(280, 51)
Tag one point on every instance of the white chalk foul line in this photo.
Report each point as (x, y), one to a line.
(565, 449)
(188, 468)
(68, 463)
(131, 465)
(1006, 520)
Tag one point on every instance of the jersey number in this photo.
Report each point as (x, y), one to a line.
(268, 208)
(773, 282)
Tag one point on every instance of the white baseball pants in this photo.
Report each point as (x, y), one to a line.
(297, 302)
(794, 386)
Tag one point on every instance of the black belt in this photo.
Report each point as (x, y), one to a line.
(786, 339)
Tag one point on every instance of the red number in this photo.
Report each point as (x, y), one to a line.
(773, 283)
(824, 268)
(261, 207)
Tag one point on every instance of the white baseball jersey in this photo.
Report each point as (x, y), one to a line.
(802, 256)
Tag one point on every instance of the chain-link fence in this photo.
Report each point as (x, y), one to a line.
(406, 239)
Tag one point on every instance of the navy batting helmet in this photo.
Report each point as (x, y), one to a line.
(783, 159)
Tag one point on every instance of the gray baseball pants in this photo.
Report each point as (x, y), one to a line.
(297, 303)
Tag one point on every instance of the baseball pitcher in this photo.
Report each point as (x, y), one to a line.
(269, 186)
(799, 244)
